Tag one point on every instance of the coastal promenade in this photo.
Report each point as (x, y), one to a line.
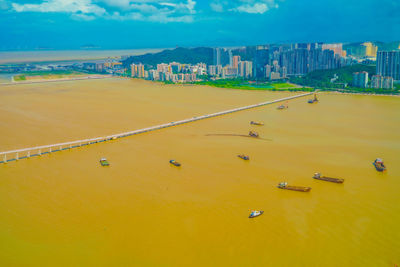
(90, 77)
(14, 155)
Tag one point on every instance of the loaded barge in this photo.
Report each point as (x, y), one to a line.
(314, 100)
(253, 134)
(379, 165)
(285, 185)
(175, 163)
(318, 176)
(256, 123)
(244, 157)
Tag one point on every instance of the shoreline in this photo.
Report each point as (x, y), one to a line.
(59, 80)
(363, 94)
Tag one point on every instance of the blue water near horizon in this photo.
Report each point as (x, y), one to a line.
(6, 77)
(16, 57)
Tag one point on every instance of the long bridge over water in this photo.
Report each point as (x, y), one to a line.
(14, 155)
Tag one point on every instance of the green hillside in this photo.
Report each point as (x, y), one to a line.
(180, 54)
(322, 78)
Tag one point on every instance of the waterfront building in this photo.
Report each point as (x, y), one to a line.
(387, 83)
(379, 81)
(388, 64)
(137, 70)
(360, 79)
(376, 81)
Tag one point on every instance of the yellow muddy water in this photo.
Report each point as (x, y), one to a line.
(64, 209)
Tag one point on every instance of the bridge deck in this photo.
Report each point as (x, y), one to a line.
(85, 142)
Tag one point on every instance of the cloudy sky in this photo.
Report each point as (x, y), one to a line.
(117, 24)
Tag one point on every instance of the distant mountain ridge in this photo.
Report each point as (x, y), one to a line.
(179, 54)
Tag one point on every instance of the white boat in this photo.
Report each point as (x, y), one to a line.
(255, 213)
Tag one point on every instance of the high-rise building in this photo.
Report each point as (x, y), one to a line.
(137, 70)
(378, 81)
(261, 58)
(267, 71)
(388, 64)
(230, 57)
(387, 83)
(360, 79)
(212, 70)
(235, 61)
(217, 56)
(245, 69)
(336, 48)
(370, 49)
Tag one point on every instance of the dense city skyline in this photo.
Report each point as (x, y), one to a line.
(70, 24)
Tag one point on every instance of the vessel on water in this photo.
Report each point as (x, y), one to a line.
(253, 134)
(283, 106)
(104, 162)
(256, 123)
(314, 100)
(244, 157)
(379, 165)
(255, 213)
(285, 185)
(175, 163)
(318, 176)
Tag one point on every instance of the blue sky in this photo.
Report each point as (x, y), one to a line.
(118, 24)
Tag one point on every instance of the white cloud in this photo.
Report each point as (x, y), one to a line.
(143, 10)
(257, 8)
(217, 7)
(67, 6)
(245, 6)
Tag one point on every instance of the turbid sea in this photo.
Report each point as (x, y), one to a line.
(64, 209)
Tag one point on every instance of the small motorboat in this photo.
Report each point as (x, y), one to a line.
(256, 123)
(104, 162)
(379, 165)
(255, 213)
(253, 134)
(175, 163)
(314, 100)
(285, 185)
(244, 157)
(318, 176)
(283, 106)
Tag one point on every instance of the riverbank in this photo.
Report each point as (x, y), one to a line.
(253, 85)
(97, 76)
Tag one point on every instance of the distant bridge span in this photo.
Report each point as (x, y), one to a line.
(14, 155)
